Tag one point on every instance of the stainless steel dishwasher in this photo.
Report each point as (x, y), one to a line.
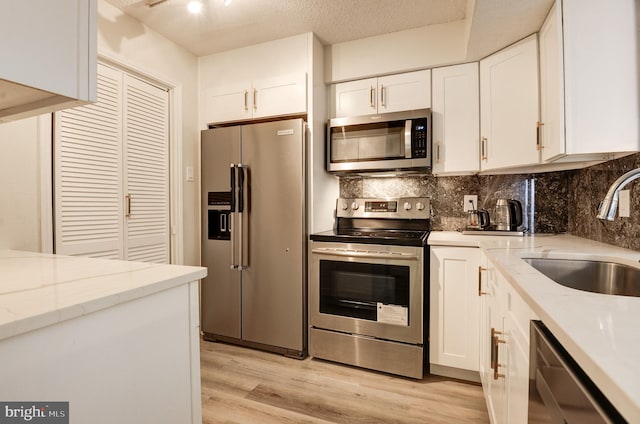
(559, 391)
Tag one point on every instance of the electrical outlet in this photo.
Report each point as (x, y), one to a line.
(470, 202)
(624, 204)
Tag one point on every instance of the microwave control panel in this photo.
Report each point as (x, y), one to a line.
(419, 138)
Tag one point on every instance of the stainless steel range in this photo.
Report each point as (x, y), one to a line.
(368, 303)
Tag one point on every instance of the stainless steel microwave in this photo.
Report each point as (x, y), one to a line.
(398, 141)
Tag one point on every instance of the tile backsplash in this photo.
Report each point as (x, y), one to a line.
(553, 202)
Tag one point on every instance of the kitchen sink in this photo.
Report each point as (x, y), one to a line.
(594, 276)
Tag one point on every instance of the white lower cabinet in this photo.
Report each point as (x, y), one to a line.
(454, 307)
(504, 347)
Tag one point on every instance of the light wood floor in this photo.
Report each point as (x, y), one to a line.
(241, 385)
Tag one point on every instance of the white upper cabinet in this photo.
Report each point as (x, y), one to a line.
(455, 118)
(260, 98)
(260, 81)
(509, 107)
(589, 81)
(48, 56)
(391, 93)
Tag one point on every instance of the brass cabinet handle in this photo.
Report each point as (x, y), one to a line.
(438, 152)
(539, 126)
(371, 100)
(246, 99)
(495, 341)
(382, 101)
(480, 269)
(255, 99)
(483, 148)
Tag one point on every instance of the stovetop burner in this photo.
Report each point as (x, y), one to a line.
(402, 222)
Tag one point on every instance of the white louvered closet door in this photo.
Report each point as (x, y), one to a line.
(89, 219)
(146, 142)
(112, 172)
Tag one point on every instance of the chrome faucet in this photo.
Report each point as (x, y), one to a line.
(609, 206)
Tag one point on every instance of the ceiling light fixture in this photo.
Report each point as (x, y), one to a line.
(227, 2)
(195, 6)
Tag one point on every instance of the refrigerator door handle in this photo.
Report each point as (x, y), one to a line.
(232, 217)
(241, 192)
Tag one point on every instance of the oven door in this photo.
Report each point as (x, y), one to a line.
(368, 290)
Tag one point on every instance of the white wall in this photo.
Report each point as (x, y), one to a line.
(413, 49)
(20, 172)
(129, 41)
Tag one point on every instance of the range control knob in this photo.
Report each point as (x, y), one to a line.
(407, 206)
(420, 206)
(344, 206)
(355, 206)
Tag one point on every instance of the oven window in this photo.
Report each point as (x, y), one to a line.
(356, 290)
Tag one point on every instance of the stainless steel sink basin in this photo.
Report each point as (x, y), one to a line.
(593, 276)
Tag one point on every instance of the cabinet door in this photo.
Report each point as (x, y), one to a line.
(88, 174)
(286, 95)
(454, 307)
(146, 158)
(48, 56)
(552, 141)
(509, 106)
(491, 326)
(228, 103)
(355, 98)
(408, 91)
(456, 116)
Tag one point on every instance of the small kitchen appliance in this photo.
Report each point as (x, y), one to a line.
(478, 219)
(397, 141)
(507, 215)
(368, 286)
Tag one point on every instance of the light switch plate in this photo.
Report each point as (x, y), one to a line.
(468, 199)
(624, 204)
(190, 173)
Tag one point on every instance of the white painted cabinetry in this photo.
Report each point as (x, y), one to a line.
(454, 308)
(455, 118)
(48, 56)
(260, 98)
(255, 82)
(504, 347)
(589, 106)
(391, 93)
(509, 107)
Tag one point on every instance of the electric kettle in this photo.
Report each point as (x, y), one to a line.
(478, 219)
(507, 215)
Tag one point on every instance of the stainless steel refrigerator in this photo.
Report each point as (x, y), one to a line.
(254, 236)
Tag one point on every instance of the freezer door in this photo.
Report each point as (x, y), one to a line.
(273, 282)
(220, 290)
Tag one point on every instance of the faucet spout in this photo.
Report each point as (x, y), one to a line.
(609, 205)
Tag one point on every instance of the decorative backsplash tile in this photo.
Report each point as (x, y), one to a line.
(447, 194)
(555, 202)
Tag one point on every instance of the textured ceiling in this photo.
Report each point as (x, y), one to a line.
(247, 22)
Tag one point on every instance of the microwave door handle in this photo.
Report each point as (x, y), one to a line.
(407, 139)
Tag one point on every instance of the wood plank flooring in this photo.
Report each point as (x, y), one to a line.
(242, 385)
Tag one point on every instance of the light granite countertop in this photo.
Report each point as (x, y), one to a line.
(37, 289)
(601, 332)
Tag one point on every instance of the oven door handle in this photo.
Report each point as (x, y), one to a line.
(361, 254)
